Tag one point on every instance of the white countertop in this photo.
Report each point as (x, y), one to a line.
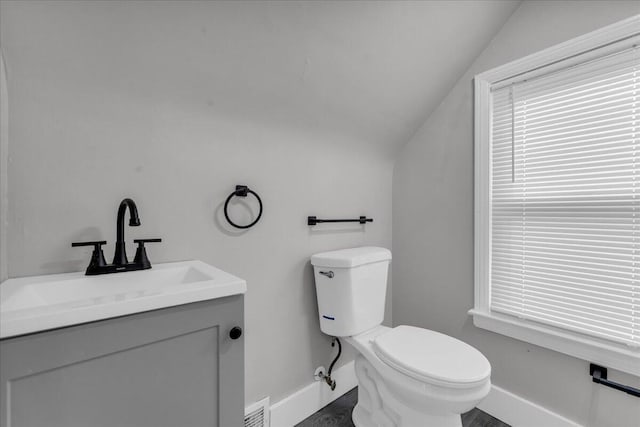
(39, 303)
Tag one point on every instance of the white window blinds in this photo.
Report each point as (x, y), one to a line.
(565, 207)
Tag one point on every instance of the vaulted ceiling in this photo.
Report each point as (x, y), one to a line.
(372, 71)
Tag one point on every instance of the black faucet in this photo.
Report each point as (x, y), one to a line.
(98, 265)
(120, 257)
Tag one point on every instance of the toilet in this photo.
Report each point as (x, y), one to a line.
(407, 376)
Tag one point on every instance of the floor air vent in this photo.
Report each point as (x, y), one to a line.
(257, 414)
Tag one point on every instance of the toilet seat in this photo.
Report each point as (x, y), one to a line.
(432, 357)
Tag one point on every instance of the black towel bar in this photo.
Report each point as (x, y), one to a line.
(599, 376)
(312, 220)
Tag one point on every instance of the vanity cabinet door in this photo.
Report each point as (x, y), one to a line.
(175, 367)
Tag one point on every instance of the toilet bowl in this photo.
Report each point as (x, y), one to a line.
(402, 390)
(407, 376)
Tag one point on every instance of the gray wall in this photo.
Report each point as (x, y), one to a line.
(173, 103)
(4, 166)
(99, 113)
(433, 227)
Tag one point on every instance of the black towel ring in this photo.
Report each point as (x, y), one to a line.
(242, 191)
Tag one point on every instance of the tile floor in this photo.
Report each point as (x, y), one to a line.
(338, 414)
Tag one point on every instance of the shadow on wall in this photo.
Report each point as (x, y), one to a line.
(235, 205)
(83, 253)
(336, 228)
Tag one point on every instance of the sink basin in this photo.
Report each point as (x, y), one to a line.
(34, 304)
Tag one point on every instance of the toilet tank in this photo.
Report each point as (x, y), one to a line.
(351, 287)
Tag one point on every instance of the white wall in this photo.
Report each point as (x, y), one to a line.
(433, 227)
(87, 130)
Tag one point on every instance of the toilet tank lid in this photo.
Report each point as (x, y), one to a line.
(352, 257)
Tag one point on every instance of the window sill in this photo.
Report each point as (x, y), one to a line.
(620, 357)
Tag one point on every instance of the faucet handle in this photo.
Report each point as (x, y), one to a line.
(141, 242)
(97, 257)
(141, 253)
(96, 244)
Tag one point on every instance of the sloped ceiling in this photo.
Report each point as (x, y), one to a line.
(371, 71)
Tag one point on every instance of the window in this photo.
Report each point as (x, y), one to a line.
(558, 198)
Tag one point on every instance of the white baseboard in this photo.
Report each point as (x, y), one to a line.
(308, 400)
(500, 403)
(519, 412)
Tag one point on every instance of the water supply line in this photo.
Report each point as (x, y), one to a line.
(327, 378)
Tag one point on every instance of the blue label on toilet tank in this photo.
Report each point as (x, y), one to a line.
(328, 317)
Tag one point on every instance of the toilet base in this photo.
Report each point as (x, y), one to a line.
(377, 407)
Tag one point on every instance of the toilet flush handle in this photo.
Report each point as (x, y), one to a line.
(329, 274)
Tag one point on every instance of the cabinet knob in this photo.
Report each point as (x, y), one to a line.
(235, 332)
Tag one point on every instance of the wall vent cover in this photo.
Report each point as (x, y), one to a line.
(257, 414)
